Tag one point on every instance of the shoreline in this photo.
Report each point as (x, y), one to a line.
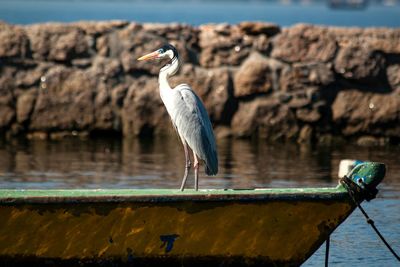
(305, 83)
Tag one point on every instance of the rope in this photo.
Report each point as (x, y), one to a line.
(327, 251)
(350, 187)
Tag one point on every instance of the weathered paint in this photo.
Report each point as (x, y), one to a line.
(142, 227)
(276, 231)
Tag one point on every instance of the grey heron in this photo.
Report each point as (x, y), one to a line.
(188, 116)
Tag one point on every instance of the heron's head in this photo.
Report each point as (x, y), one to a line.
(167, 50)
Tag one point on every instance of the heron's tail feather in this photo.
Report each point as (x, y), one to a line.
(211, 171)
(211, 166)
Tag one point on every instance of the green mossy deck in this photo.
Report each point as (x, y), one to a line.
(164, 195)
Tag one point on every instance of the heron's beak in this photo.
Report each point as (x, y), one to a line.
(152, 55)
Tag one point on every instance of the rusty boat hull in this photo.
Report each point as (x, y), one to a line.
(149, 227)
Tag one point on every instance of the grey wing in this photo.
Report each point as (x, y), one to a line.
(193, 124)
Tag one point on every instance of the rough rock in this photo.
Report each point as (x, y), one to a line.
(13, 41)
(308, 115)
(58, 42)
(225, 44)
(143, 113)
(64, 101)
(104, 116)
(27, 78)
(100, 27)
(7, 115)
(246, 120)
(256, 28)
(106, 68)
(118, 95)
(129, 43)
(25, 105)
(378, 39)
(300, 75)
(359, 63)
(256, 75)
(304, 43)
(266, 118)
(7, 104)
(393, 76)
(357, 112)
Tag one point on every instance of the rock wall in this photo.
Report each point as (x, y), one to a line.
(304, 83)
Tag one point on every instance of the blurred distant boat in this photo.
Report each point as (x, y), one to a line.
(161, 227)
(348, 4)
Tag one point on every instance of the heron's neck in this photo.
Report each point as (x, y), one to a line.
(167, 71)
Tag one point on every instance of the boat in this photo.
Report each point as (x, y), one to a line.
(150, 227)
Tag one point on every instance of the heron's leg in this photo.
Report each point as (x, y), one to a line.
(196, 172)
(187, 164)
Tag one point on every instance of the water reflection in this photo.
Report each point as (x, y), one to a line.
(133, 163)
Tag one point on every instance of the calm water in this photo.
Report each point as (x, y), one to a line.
(112, 163)
(197, 12)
